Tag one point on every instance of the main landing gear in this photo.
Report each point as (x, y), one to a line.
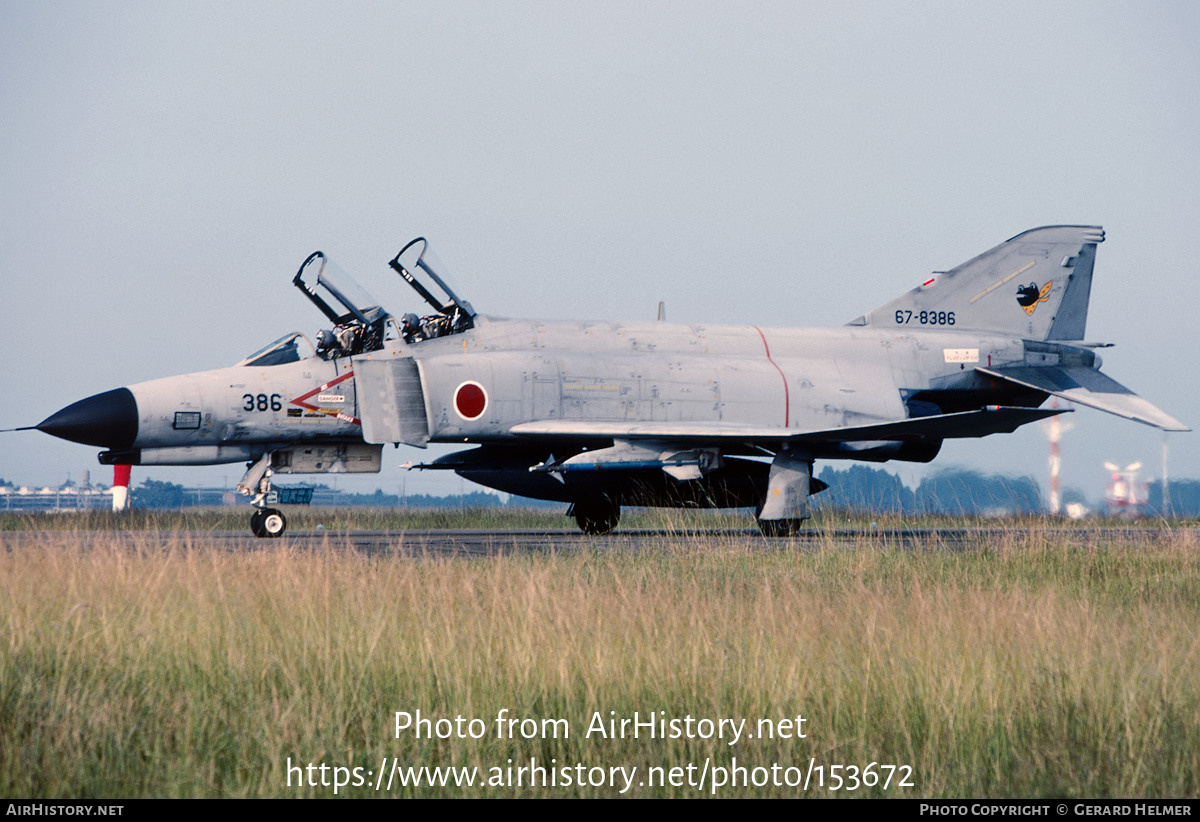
(780, 527)
(596, 516)
(789, 486)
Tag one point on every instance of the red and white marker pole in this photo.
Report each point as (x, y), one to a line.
(120, 487)
(1055, 462)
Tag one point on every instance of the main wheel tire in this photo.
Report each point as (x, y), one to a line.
(780, 527)
(596, 516)
(273, 523)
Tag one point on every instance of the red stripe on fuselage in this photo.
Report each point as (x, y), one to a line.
(787, 400)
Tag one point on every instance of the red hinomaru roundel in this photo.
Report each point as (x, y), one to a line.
(470, 400)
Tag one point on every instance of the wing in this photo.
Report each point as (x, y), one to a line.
(989, 420)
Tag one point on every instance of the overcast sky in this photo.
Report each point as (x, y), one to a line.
(166, 166)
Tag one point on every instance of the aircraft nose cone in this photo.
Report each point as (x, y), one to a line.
(109, 419)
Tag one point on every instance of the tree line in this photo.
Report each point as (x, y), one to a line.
(954, 491)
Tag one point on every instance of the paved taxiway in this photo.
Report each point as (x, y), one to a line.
(464, 542)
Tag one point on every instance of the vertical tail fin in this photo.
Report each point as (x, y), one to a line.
(1035, 286)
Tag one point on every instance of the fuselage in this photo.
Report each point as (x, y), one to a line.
(787, 378)
(477, 385)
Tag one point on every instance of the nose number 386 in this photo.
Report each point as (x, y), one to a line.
(262, 402)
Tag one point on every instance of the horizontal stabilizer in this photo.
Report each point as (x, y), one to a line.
(1087, 386)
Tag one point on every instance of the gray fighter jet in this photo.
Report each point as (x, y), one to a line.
(601, 415)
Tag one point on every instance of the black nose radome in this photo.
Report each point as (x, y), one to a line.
(109, 419)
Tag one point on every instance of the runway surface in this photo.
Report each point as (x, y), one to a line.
(470, 543)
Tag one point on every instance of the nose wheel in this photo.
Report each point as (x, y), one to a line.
(268, 523)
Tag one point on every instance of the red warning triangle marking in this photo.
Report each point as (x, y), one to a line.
(300, 400)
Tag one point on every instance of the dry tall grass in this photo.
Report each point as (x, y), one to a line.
(151, 665)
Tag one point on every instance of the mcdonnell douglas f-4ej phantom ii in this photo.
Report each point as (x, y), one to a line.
(605, 414)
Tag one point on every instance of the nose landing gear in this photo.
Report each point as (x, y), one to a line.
(264, 522)
(268, 522)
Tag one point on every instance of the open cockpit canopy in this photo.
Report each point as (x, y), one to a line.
(420, 268)
(359, 322)
(335, 293)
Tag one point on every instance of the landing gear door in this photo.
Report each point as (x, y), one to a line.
(391, 402)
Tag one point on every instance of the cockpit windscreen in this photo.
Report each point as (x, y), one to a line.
(288, 348)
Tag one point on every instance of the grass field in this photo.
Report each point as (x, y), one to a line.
(145, 663)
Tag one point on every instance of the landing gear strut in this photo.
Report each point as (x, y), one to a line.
(596, 516)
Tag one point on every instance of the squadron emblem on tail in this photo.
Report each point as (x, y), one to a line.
(1028, 296)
